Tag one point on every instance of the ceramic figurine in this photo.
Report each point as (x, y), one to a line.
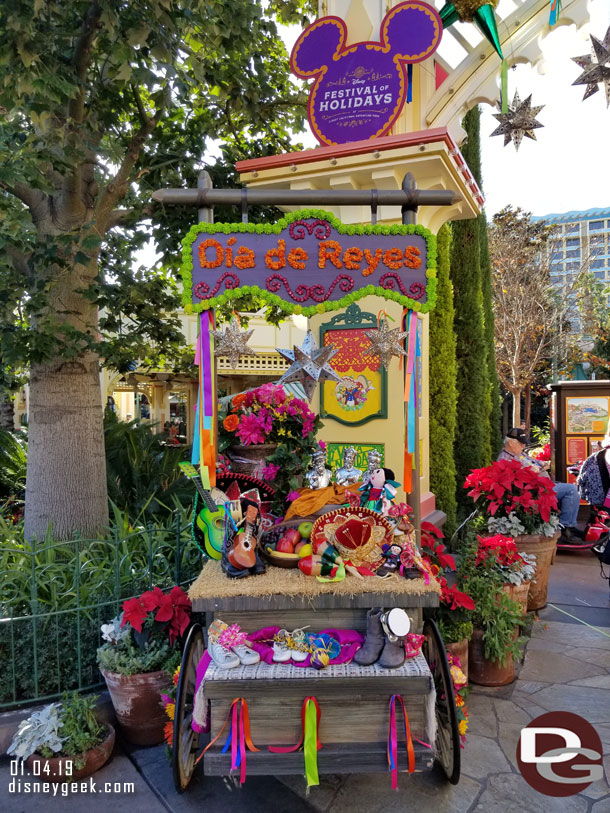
(348, 474)
(318, 476)
(373, 457)
(379, 492)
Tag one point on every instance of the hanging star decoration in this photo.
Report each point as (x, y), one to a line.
(479, 12)
(309, 364)
(385, 343)
(232, 342)
(596, 68)
(519, 121)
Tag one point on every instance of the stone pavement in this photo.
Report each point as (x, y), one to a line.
(567, 667)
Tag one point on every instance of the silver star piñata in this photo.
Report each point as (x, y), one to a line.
(232, 342)
(596, 68)
(310, 364)
(386, 343)
(518, 122)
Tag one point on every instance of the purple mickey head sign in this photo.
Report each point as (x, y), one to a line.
(359, 90)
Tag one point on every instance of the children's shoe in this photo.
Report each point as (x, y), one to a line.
(281, 653)
(223, 658)
(299, 650)
(246, 655)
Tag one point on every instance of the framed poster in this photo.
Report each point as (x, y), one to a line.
(595, 444)
(576, 450)
(334, 454)
(586, 414)
(361, 393)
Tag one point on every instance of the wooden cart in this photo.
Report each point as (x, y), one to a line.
(354, 700)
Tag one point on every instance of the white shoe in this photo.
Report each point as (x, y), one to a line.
(246, 655)
(223, 658)
(281, 653)
(300, 651)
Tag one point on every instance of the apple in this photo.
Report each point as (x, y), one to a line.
(305, 529)
(285, 545)
(293, 535)
(304, 550)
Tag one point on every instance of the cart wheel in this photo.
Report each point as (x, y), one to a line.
(186, 741)
(447, 745)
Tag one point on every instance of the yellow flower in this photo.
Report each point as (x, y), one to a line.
(459, 701)
(281, 431)
(462, 727)
(170, 710)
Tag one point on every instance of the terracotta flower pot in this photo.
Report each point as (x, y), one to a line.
(250, 459)
(486, 672)
(543, 548)
(459, 649)
(518, 593)
(137, 704)
(94, 758)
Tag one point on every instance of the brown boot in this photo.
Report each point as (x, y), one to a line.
(393, 654)
(375, 639)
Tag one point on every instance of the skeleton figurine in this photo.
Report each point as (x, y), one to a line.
(347, 474)
(373, 457)
(318, 476)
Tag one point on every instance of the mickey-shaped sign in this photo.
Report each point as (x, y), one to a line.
(359, 90)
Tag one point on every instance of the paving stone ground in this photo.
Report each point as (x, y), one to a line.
(566, 667)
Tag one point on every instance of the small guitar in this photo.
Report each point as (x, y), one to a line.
(243, 551)
(210, 520)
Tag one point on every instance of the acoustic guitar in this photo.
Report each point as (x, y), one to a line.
(242, 554)
(210, 519)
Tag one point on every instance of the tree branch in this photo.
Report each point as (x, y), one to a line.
(20, 260)
(81, 60)
(126, 217)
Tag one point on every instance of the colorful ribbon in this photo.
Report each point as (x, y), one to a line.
(554, 12)
(409, 83)
(410, 397)
(310, 741)
(204, 440)
(239, 738)
(392, 749)
(504, 87)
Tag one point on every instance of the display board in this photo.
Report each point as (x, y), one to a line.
(308, 262)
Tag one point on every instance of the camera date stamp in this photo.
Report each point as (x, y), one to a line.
(61, 780)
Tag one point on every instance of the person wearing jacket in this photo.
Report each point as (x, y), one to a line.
(594, 478)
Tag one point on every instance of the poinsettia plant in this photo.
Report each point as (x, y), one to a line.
(503, 555)
(146, 635)
(453, 614)
(514, 499)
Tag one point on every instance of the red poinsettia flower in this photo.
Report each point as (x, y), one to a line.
(134, 614)
(175, 608)
(456, 599)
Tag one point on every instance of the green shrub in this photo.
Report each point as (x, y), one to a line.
(443, 388)
(453, 631)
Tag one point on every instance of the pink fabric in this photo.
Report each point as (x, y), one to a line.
(350, 640)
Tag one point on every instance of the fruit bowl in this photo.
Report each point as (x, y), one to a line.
(270, 538)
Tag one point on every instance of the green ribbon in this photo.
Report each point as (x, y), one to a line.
(504, 86)
(310, 746)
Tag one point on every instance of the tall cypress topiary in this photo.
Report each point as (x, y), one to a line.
(442, 387)
(472, 446)
(493, 389)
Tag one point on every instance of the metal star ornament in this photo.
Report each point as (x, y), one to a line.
(519, 121)
(385, 343)
(309, 364)
(232, 342)
(596, 68)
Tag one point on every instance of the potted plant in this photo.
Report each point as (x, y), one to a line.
(516, 501)
(455, 605)
(517, 570)
(269, 433)
(64, 741)
(140, 655)
(494, 644)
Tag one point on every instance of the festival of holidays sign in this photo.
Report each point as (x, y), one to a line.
(308, 262)
(359, 90)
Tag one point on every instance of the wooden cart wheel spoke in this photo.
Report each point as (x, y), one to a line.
(186, 741)
(447, 745)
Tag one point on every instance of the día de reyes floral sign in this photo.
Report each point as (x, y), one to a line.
(360, 89)
(308, 262)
